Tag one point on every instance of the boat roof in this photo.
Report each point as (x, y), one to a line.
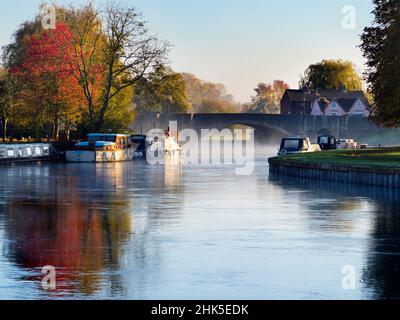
(24, 145)
(108, 135)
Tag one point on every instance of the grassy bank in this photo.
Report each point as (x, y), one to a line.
(384, 158)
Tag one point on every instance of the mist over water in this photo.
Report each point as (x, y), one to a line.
(130, 230)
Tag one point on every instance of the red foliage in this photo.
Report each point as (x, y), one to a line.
(49, 69)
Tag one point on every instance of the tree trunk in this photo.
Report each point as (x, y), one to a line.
(4, 129)
(57, 130)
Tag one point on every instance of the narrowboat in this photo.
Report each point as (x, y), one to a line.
(297, 145)
(103, 148)
(19, 153)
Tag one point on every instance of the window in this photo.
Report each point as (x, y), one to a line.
(324, 140)
(38, 151)
(28, 152)
(291, 144)
(334, 105)
(10, 153)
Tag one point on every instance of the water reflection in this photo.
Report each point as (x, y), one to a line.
(79, 219)
(381, 271)
(129, 230)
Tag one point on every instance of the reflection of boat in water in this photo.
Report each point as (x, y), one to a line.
(15, 153)
(103, 148)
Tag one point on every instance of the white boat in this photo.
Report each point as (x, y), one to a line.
(348, 144)
(166, 151)
(103, 148)
(297, 145)
(32, 152)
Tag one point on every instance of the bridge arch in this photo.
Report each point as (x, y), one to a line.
(264, 133)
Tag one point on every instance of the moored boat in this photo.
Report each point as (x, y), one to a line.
(297, 145)
(19, 153)
(103, 148)
(143, 145)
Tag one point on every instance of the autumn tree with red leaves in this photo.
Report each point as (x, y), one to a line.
(50, 90)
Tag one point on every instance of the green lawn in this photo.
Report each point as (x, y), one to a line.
(387, 158)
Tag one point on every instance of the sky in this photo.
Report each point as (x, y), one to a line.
(240, 42)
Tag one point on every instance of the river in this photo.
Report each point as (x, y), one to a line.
(135, 231)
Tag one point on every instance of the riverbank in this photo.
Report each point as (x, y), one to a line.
(372, 166)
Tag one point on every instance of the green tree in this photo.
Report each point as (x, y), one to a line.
(161, 91)
(267, 98)
(331, 75)
(208, 97)
(381, 47)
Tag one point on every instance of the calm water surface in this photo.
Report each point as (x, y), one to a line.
(133, 231)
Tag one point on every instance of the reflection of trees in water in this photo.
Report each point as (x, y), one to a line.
(56, 222)
(382, 271)
(382, 266)
(78, 218)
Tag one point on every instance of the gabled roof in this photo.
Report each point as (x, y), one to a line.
(300, 95)
(347, 104)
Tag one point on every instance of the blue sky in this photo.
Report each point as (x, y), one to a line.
(239, 42)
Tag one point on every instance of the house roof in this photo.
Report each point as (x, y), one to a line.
(347, 104)
(300, 95)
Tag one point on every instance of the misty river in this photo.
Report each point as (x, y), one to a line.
(135, 231)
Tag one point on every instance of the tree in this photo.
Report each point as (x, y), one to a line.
(331, 75)
(8, 101)
(111, 53)
(217, 106)
(162, 91)
(208, 97)
(50, 89)
(381, 48)
(267, 98)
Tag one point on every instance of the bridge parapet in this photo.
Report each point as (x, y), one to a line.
(285, 125)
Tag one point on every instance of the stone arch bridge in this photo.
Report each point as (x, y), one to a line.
(266, 126)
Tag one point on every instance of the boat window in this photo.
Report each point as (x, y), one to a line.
(324, 140)
(38, 151)
(2, 153)
(20, 152)
(28, 151)
(291, 144)
(46, 150)
(10, 153)
(111, 138)
(96, 138)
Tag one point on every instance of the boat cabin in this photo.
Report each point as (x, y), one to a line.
(104, 141)
(327, 142)
(297, 145)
